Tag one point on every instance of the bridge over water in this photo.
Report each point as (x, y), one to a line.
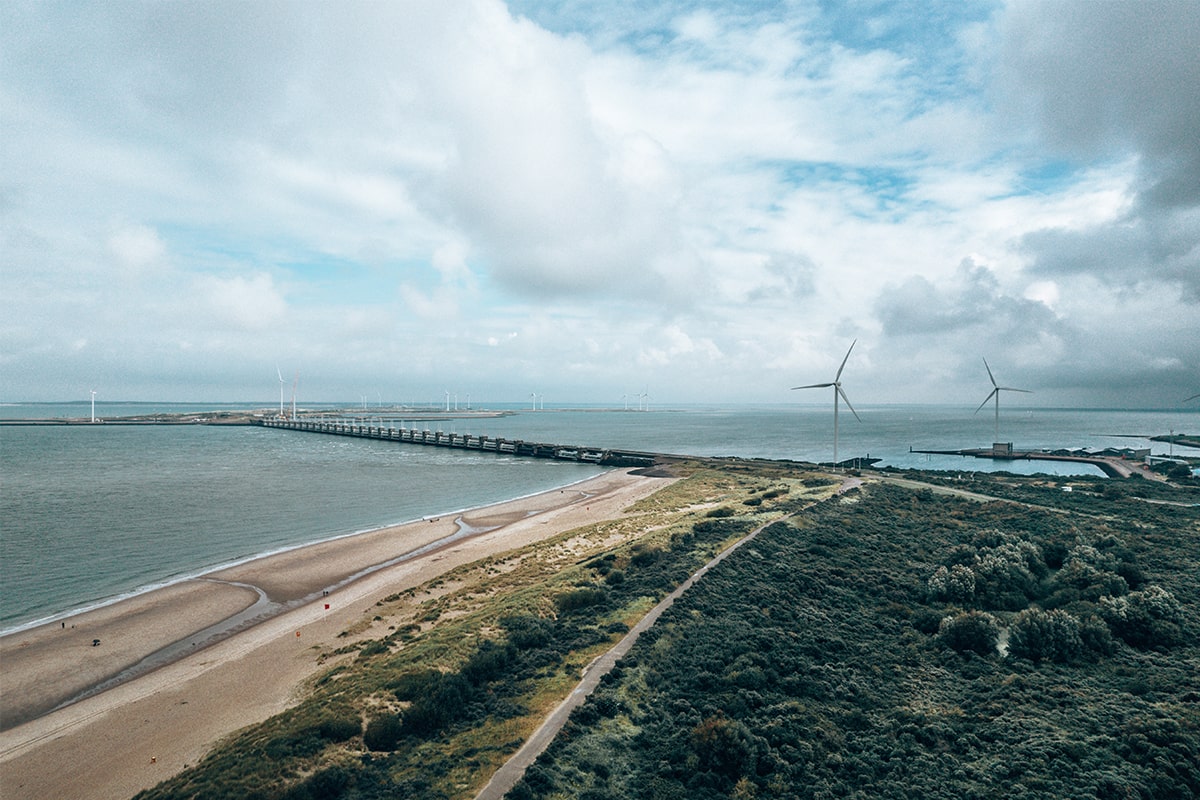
(466, 441)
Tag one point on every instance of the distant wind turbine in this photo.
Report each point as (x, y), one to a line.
(996, 390)
(295, 383)
(93, 405)
(836, 383)
(280, 374)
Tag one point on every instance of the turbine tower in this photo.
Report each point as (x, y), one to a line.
(280, 374)
(996, 390)
(836, 383)
(93, 405)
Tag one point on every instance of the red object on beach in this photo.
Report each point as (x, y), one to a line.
(327, 606)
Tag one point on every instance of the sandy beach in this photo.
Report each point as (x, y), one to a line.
(198, 682)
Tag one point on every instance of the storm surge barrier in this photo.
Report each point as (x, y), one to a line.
(465, 441)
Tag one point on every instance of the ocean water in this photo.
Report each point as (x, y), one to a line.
(91, 513)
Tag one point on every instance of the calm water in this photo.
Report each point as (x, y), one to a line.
(91, 513)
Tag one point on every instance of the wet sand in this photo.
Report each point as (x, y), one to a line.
(162, 717)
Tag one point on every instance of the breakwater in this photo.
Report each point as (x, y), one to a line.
(465, 441)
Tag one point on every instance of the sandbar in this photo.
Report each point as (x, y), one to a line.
(142, 729)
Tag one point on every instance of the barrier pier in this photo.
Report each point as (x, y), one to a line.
(466, 441)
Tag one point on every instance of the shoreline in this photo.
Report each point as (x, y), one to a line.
(139, 731)
(67, 615)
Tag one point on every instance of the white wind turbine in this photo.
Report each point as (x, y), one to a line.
(996, 390)
(93, 405)
(836, 383)
(280, 374)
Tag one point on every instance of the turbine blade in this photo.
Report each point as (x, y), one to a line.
(989, 369)
(813, 386)
(838, 377)
(986, 399)
(847, 399)
(1011, 389)
(1190, 399)
(280, 374)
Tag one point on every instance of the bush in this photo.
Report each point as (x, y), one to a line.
(972, 631)
(1146, 619)
(489, 662)
(383, 733)
(579, 598)
(339, 729)
(1039, 635)
(528, 632)
(1008, 576)
(446, 700)
(955, 585)
(723, 511)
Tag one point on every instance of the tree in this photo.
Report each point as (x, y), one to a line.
(1145, 619)
(954, 585)
(1045, 636)
(971, 631)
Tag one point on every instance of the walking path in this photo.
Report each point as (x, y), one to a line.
(507, 776)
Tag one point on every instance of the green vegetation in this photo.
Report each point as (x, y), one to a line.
(471, 663)
(892, 642)
(910, 644)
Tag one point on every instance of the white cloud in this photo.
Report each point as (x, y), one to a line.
(249, 303)
(555, 193)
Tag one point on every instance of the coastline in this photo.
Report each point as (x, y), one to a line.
(143, 729)
(73, 613)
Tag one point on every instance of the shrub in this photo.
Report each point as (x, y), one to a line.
(1092, 572)
(1007, 576)
(723, 511)
(339, 729)
(971, 631)
(955, 585)
(528, 632)
(1145, 619)
(445, 701)
(579, 598)
(1039, 635)
(488, 662)
(383, 733)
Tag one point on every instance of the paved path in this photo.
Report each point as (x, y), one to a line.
(507, 776)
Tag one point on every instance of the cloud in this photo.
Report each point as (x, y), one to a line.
(700, 196)
(250, 303)
(1099, 80)
(972, 302)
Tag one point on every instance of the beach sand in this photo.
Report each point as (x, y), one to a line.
(149, 726)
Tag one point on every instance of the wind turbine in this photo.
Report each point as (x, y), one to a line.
(280, 374)
(996, 390)
(93, 405)
(295, 383)
(836, 383)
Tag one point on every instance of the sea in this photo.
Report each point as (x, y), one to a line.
(93, 513)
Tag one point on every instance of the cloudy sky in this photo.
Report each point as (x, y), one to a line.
(708, 201)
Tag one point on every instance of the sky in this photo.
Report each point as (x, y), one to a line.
(698, 202)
